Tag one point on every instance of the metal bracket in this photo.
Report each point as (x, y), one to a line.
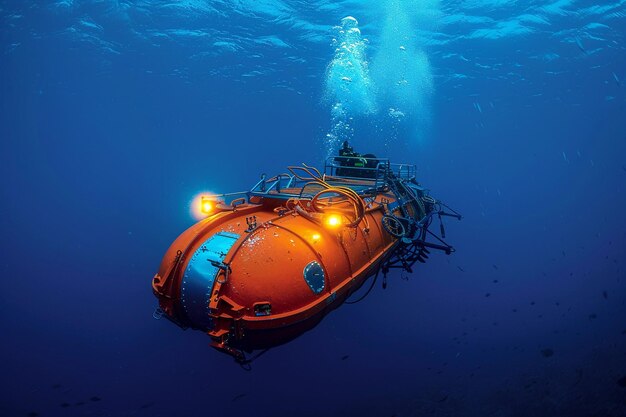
(251, 222)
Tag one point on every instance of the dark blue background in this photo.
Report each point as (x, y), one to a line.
(101, 153)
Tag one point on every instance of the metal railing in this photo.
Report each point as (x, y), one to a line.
(361, 168)
(276, 183)
(373, 171)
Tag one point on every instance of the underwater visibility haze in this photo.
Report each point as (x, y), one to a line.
(117, 116)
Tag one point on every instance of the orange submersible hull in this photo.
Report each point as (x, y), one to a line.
(268, 264)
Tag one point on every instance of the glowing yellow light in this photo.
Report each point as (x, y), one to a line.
(206, 206)
(333, 220)
(196, 204)
(316, 237)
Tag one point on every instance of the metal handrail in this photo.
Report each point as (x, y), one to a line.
(404, 171)
(265, 186)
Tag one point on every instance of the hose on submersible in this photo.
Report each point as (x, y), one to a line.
(320, 205)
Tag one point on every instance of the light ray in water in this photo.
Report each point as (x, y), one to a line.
(401, 70)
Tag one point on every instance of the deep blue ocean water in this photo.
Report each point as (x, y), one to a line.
(115, 114)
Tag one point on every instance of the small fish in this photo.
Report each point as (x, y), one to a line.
(605, 295)
(445, 397)
(488, 295)
(616, 79)
(495, 267)
(95, 399)
(346, 79)
(495, 281)
(460, 269)
(592, 316)
(477, 107)
(65, 405)
(565, 157)
(622, 382)
(343, 358)
(56, 386)
(238, 397)
(547, 352)
(147, 405)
